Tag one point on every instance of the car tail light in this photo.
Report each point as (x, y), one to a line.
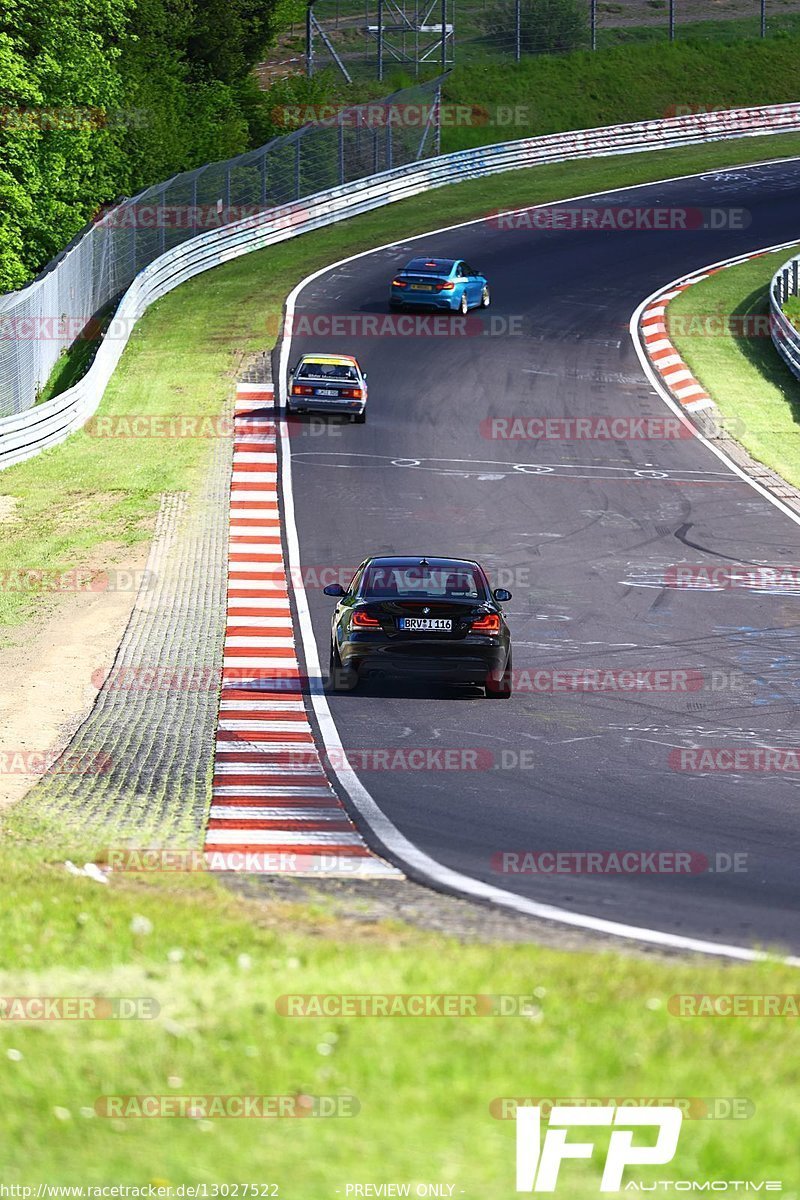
(352, 393)
(364, 621)
(300, 390)
(490, 623)
(399, 283)
(445, 287)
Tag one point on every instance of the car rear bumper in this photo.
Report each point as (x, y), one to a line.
(469, 662)
(425, 300)
(319, 404)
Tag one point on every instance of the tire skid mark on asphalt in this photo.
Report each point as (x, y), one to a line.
(273, 809)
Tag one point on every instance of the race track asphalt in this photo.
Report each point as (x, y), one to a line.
(584, 533)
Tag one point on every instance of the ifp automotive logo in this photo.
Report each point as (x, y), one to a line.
(538, 1161)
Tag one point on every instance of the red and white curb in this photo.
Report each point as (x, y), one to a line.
(273, 810)
(663, 355)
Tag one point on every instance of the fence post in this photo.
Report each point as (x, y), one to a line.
(438, 119)
(518, 29)
(389, 145)
(134, 213)
(795, 276)
(341, 153)
(297, 169)
(264, 180)
(380, 39)
(672, 20)
(444, 36)
(309, 41)
(593, 21)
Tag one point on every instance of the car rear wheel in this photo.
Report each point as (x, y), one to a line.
(499, 688)
(463, 307)
(486, 299)
(395, 305)
(341, 679)
(358, 418)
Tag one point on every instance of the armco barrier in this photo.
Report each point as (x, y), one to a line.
(48, 424)
(785, 283)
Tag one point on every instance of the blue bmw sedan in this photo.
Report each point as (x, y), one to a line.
(449, 283)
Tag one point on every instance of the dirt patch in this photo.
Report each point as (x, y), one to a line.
(50, 671)
(365, 904)
(8, 506)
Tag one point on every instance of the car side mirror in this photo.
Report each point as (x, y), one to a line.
(501, 595)
(334, 589)
(363, 374)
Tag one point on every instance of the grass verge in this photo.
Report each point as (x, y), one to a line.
(184, 354)
(599, 1025)
(635, 82)
(720, 327)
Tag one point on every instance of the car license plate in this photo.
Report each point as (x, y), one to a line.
(420, 287)
(327, 392)
(426, 625)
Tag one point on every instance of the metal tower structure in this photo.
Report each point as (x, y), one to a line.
(414, 34)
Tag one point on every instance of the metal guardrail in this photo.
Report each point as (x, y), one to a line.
(48, 424)
(785, 335)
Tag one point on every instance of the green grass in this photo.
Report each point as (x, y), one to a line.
(548, 93)
(97, 495)
(600, 1027)
(75, 361)
(758, 396)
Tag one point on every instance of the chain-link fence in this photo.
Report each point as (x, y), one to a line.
(62, 305)
(373, 38)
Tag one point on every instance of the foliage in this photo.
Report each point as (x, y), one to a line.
(100, 98)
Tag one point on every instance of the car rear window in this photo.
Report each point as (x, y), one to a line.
(312, 370)
(422, 583)
(430, 266)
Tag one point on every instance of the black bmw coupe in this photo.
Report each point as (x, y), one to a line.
(432, 617)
